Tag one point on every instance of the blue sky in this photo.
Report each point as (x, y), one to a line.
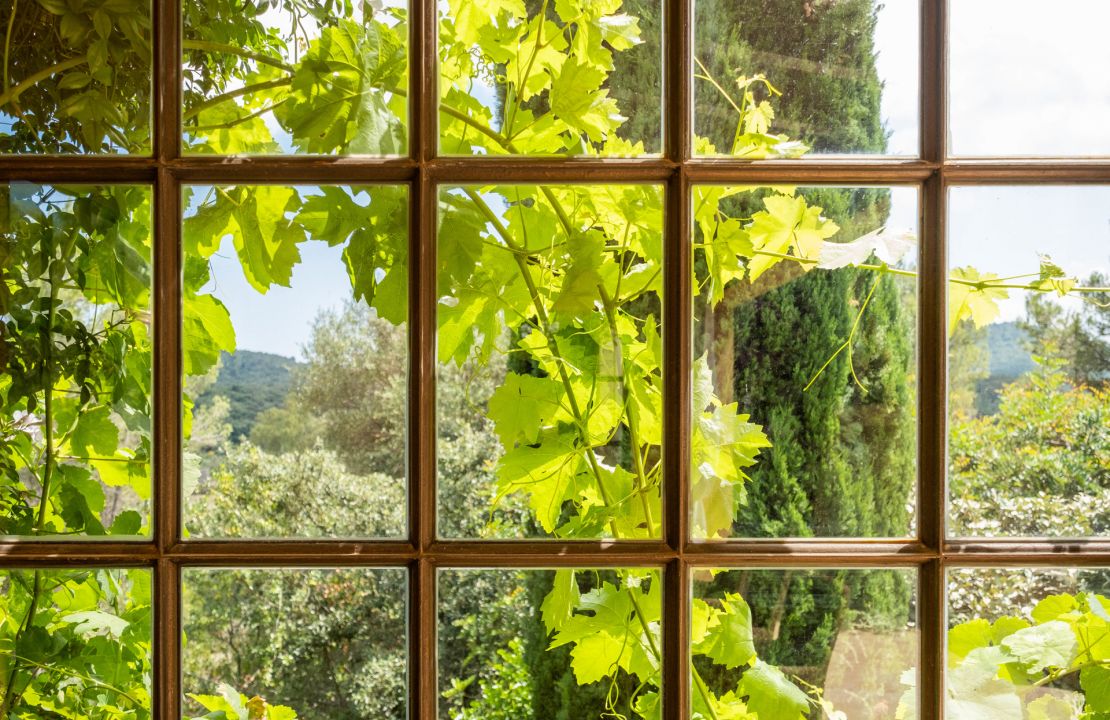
(1013, 91)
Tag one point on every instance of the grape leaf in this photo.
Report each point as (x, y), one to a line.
(967, 301)
(523, 406)
(1095, 681)
(728, 640)
(558, 606)
(787, 226)
(1051, 644)
(206, 331)
(546, 473)
(95, 434)
(770, 693)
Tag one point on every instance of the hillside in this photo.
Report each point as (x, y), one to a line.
(252, 382)
(1009, 359)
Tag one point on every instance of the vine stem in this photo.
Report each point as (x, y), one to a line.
(847, 344)
(8, 43)
(71, 673)
(583, 431)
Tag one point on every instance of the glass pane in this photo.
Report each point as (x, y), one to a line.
(295, 77)
(75, 342)
(804, 643)
(295, 356)
(572, 77)
(1029, 362)
(583, 644)
(1024, 81)
(75, 643)
(804, 362)
(779, 78)
(320, 643)
(550, 377)
(1028, 643)
(76, 77)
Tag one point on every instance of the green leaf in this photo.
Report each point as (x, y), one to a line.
(95, 434)
(96, 622)
(576, 98)
(728, 640)
(1051, 644)
(523, 406)
(471, 16)
(558, 606)
(770, 693)
(966, 637)
(976, 693)
(1095, 681)
(546, 473)
(980, 304)
(267, 241)
(788, 226)
(206, 331)
(127, 522)
(1053, 606)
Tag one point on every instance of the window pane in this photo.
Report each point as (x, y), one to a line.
(773, 78)
(77, 77)
(295, 76)
(572, 77)
(549, 390)
(776, 642)
(1028, 82)
(1029, 362)
(75, 643)
(295, 356)
(323, 643)
(804, 349)
(1026, 642)
(75, 341)
(583, 644)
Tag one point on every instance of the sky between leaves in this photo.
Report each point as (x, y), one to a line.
(1044, 99)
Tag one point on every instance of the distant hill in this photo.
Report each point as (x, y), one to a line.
(1009, 360)
(252, 382)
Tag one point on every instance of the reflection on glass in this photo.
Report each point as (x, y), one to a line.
(804, 643)
(75, 644)
(834, 77)
(1029, 362)
(549, 390)
(804, 345)
(1023, 81)
(1027, 643)
(295, 76)
(583, 644)
(75, 343)
(573, 77)
(295, 356)
(306, 643)
(76, 77)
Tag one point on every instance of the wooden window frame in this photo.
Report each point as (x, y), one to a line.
(932, 173)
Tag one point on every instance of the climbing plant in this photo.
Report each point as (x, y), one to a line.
(565, 279)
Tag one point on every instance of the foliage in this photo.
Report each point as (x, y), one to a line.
(1007, 668)
(253, 382)
(571, 274)
(1047, 449)
(75, 643)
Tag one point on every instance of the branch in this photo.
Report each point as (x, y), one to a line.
(232, 94)
(216, 47)
(10, 96)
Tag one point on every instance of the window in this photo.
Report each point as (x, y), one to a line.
(658, 358)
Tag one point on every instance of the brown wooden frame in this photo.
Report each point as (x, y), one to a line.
(422, 553)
